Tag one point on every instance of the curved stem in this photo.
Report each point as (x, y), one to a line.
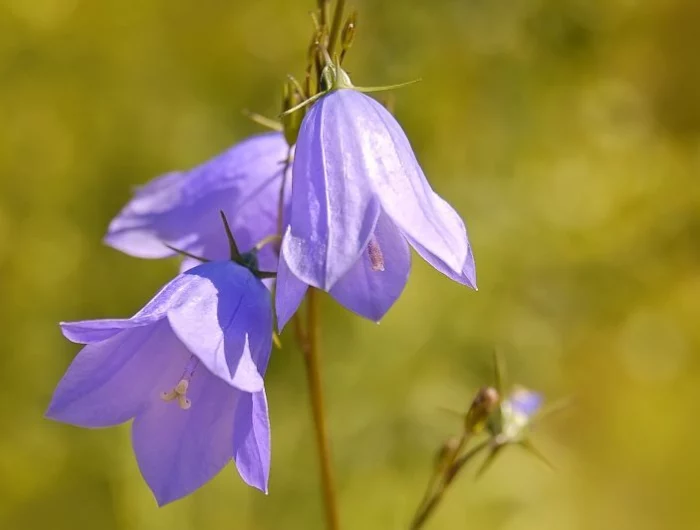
(272, 238)
(309, 343)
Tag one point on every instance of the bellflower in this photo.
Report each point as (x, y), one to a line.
(188, 368)
(359, 199)
(182, 208)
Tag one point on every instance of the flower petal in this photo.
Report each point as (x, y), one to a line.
(182, 208)
(91, 331)
(400, 184)
(251, 440)
(370, 293)
(525, 402)
(467, 276)
(333, 206)
(179, 450)
(289, 292)
(110, 381)
(224, 317)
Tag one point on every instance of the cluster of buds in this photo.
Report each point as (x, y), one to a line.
(505, 418)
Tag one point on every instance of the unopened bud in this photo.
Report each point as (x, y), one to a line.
(446, 454)
(484, 403)
(291, 123)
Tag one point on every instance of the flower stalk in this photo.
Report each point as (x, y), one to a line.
(336, 26)
(433, 498)
(309, 343)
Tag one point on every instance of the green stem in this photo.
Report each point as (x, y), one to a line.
(438, 478)
(337, 23)
(427, 508)
(310, 348)
(324, 4)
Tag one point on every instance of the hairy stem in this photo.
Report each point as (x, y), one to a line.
(309, 343)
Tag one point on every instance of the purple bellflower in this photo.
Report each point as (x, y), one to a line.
(359, 199)
(188, 368)
(181, 209)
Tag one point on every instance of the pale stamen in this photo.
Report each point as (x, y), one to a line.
(179, 393)
(376, 257)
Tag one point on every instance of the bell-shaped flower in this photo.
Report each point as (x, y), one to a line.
(359, 199)
(188, 368)
(181, 209)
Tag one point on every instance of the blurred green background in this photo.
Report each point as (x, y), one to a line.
(567, 134)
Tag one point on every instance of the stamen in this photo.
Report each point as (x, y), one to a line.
(375, 255)
(179, 393)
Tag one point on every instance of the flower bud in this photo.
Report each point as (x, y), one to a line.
(291, 123)
(485, 401)
(446, 454)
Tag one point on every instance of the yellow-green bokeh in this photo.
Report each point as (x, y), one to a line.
(566, 133)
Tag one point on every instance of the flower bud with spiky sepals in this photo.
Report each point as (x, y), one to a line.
(291, 123)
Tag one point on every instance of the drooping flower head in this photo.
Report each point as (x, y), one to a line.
(188, 368)
(359, 199)
(181, 209)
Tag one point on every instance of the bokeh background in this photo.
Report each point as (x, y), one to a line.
(567, 134)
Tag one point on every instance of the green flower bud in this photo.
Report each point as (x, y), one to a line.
(291, 123)
(485, 402)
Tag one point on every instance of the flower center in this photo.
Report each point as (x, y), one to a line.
(376, 257)
(179, 393)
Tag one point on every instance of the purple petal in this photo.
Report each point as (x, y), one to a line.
(467, 276)
(179, 450)
(110, 381)
(251, 440)
(91, 331)
(289, 292)
(333, 206)
(525, 401)
(370, 293)
(400, 184)
(182, 208)
(224, 317)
